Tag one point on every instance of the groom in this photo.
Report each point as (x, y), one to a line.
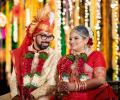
(34, 71)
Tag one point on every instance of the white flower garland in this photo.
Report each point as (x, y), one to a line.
(26, 80)
(38, 79)
(34, 80)
(90, 32)
(3, 20)
(57, 25)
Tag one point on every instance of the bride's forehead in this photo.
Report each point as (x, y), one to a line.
(75, 34)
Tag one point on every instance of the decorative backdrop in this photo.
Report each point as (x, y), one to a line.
(101, 16)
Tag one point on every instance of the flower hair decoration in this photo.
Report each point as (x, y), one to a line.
(90, 41)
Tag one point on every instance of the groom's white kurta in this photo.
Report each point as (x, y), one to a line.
(46, 79)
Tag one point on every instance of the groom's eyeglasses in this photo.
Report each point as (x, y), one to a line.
(43, 36)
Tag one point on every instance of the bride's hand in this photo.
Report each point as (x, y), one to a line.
(63, 87)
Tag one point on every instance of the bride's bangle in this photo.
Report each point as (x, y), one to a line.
(85, 85)
(76, 86)
(82, 86)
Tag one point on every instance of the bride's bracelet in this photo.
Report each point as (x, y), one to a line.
(80, 86)
(76, 86)
(84, 86)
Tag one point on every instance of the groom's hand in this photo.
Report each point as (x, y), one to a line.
(32, 97)
(17, 97)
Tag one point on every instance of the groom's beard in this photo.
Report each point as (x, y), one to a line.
(43, 45)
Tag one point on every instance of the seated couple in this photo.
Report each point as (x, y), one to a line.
(40, 73)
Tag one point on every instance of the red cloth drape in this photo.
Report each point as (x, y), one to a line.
(17, 58)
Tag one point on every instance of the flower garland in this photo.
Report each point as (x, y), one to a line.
(64, 67)
(82, 58)
(29, 61)
(3, 20)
